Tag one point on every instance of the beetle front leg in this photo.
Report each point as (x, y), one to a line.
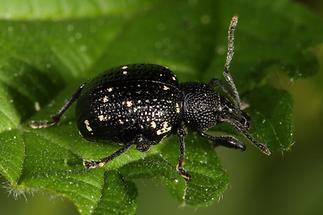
(181, 134)
(226, 141)
(56, 117)
(262, 147)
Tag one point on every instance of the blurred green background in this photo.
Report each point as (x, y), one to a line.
(289, 183)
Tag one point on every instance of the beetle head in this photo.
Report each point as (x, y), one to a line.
(204, 106)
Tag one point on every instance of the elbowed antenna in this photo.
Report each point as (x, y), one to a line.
(230, 52)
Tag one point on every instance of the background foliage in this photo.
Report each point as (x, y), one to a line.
(49, 47)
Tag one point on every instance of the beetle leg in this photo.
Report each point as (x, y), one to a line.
(91, 164)
(56, 118)
(230, 52)
(226, 141)
(181, 134)
(262, 147)
(142, 144)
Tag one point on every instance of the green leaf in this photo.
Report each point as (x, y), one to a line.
(49, 47)
(267, 35)
(202, 163)
(12, 152)
(272, 113)
(118, 194)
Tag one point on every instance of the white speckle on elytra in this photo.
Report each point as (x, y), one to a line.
(110, 89)
(164, 129)
(174, 78)
(129, 103)
(105, 99)
(153, 124)
(165, 124)
(165, 87)
(103, 117)
(177, 108)
(125, 72)
(159, 113)
(87, 125)
(124, 67)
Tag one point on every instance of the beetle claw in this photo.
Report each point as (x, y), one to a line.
(90, 164)
(41, 124)
(183, 173)
(264, 149)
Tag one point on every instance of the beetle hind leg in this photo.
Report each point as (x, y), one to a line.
(141, 142)
(56, 118)
(180, 165)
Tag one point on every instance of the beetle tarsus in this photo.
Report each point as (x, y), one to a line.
(56, 118)
(183, 173)
(91, 164)
(226, 141)
(264, 149)
(41, 124)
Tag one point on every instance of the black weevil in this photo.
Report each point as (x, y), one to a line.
(139, 104)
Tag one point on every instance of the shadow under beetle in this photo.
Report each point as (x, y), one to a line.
(139, 104)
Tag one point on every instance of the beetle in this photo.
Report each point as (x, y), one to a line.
(139, 104)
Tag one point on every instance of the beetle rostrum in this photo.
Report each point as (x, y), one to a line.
(139, 104)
